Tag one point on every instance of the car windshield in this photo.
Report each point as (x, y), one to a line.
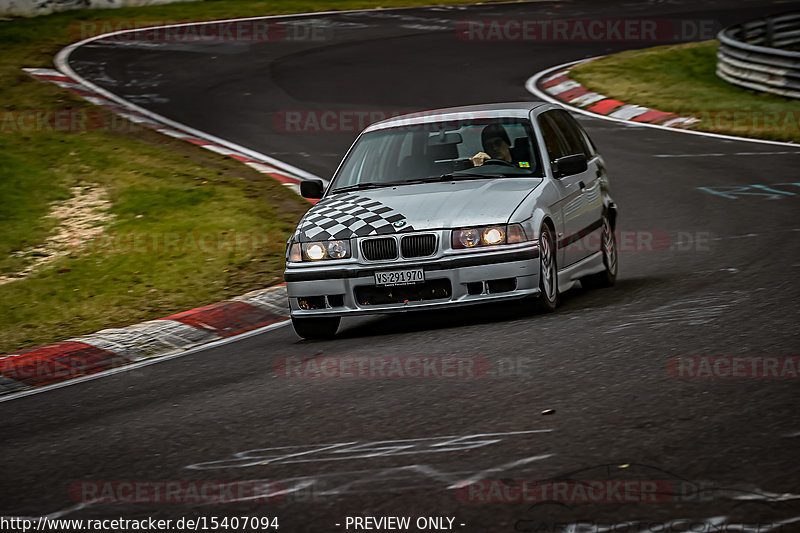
(466, 149)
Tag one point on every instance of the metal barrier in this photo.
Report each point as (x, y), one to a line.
(758, 55)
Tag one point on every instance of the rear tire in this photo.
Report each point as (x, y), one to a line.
(316, 328)
(608, 246)
(548, 271)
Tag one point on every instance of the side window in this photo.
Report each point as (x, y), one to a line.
(588, 146)
(571, 135)
(553, 141)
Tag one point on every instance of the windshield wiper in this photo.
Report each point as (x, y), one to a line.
(428, 179)
(447, 177)
(374, 185)
(359, 186)
(477, 176)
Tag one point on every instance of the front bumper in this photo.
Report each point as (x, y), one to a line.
(475, 277)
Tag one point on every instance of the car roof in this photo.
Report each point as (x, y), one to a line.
(508, 109)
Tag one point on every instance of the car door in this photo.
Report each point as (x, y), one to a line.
(561, 141)
(589, 236)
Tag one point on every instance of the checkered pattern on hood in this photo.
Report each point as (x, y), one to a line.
(348, 215)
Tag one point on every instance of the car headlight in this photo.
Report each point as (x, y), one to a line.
(488, 236)
(314, 251)
(467, 238)
(319, 251)
(494, 235)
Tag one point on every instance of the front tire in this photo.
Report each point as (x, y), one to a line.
(316, 328)
(548, 271)
(608, 246)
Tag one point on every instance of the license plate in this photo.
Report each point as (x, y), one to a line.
(399, 277)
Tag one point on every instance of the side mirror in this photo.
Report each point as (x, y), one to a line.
(312, 188)
(569, 165)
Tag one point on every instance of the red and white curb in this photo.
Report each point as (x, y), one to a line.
(554, 85)
(78, 358)
(563, 88)
(176, 130)
(109, 349)
(112, 350)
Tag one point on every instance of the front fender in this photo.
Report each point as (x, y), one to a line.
(537, 208)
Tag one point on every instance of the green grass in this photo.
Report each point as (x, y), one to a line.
(25, 192)
(682, 79)
(148, 262)
(194, 203)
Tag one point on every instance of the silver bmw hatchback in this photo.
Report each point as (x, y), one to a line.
(452, 207)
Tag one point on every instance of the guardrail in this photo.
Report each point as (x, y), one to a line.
(754, 55)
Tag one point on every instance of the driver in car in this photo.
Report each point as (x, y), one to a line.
(496, 145)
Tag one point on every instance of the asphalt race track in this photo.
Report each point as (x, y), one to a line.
(718, 278)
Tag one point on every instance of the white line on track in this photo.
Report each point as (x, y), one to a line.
(51, 516)
(145, 362)
(531, 86)
(62, 64)
(502, 468)
(715, 523)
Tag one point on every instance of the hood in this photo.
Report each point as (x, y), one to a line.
(423, 206)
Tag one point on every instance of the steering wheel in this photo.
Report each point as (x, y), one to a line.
(499, 162)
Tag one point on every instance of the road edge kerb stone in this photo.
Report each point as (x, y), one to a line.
(568, 91)
(554, 85)
(130, 112)
(112, 348)
(107, 349)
